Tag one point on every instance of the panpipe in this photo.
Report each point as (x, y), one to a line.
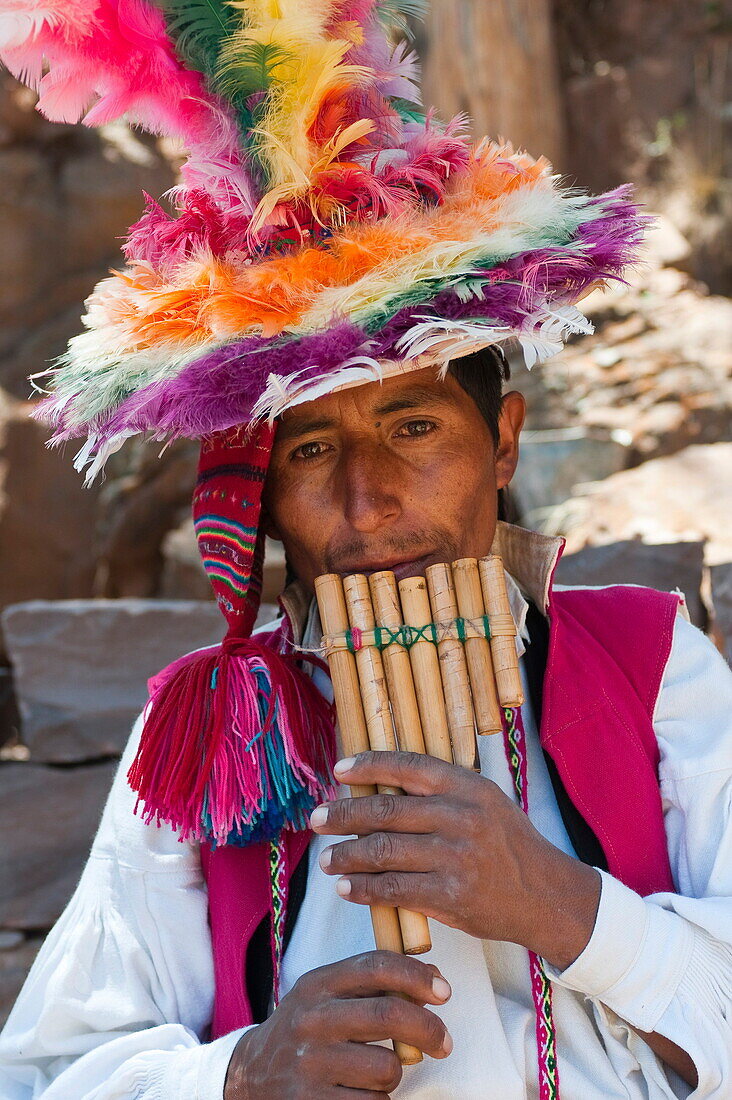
(422, 665)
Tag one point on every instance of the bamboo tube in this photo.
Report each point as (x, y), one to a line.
(415, 930)
(503, 632)
(354, 735)
(454, 669)
(343, 673)
(388, 613)
(426, 670)
(374, 695)
(477, 650)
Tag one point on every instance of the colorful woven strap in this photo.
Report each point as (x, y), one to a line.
(514, 739)
(278, 883)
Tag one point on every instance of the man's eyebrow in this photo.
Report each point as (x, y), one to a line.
(290, 429)
(414, 397)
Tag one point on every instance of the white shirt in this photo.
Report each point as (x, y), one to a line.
(118, 1002)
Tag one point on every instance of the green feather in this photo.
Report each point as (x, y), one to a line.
(408, 111)
(252, 69)
(395, 14)
(199, 29)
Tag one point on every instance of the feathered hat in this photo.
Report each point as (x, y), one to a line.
(326, 231)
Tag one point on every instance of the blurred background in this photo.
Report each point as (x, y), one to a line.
(628, 452)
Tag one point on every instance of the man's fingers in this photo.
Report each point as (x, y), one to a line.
(396, 812)
(374, 1019)
(412, 771)
(406, 890)
(383, 852)
(376, 972)
(358, 1066)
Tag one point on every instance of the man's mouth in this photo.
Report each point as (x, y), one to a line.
(414, 567)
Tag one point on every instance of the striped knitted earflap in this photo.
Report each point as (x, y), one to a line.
(226, 509)
(238, 743)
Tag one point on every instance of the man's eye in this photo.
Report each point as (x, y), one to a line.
(416, 428)
(310, 450)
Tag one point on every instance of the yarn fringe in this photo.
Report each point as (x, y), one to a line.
(236, 746)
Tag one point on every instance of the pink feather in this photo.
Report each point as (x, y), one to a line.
(109, 59)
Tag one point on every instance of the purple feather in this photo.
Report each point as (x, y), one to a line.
(220, 389)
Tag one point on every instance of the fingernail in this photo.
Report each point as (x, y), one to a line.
(447, 1043)
(319, 816)
(343, 887)
(344, 766)
(441, 989)
(325, 858)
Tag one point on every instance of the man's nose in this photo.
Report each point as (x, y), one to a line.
(370, 497)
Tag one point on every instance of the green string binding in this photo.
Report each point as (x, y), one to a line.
(407, 636)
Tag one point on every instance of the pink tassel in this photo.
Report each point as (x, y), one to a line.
(236, 745)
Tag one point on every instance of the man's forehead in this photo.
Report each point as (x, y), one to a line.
(375, 399)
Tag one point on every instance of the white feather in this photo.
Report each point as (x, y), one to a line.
(283, 392)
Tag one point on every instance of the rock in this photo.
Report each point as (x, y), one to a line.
(46, 515)
(550, 462)
(15, 962)
(666, 246)
(81, 667)
(184, 578)
(52, 815)
(683, 497)
(10, 939)
(665, 566)
(19, 122)
(68, 195)
(657, 373)
(146, 496)
(645, 100)
(721, 586)
(9, 717)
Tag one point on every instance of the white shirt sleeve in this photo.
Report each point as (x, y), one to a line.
(664, 963)
(119, 1000)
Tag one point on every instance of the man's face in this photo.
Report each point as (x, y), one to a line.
(394, 475)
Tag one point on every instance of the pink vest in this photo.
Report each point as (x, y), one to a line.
(608, 649)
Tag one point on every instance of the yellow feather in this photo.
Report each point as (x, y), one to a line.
(313, 67)
(300, 183)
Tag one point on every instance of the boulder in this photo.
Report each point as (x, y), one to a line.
(81, 667)
(144, 498)
(52, 815)
(665, 566)
(656, 376)
(721, 587)
(184, 578)
(551, 462)
(17, 953)
(47, 517)
(68, 195)
(682, 497)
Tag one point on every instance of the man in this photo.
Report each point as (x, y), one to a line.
(311, 313)
(402, 475)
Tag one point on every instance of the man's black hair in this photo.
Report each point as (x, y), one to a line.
(482, 375)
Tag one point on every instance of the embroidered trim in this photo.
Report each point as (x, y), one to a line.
(514, 739)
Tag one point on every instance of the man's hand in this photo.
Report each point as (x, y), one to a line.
(463, 853)
(315, 1042)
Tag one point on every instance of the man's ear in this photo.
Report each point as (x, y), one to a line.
(267, 524)
(510, 423)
